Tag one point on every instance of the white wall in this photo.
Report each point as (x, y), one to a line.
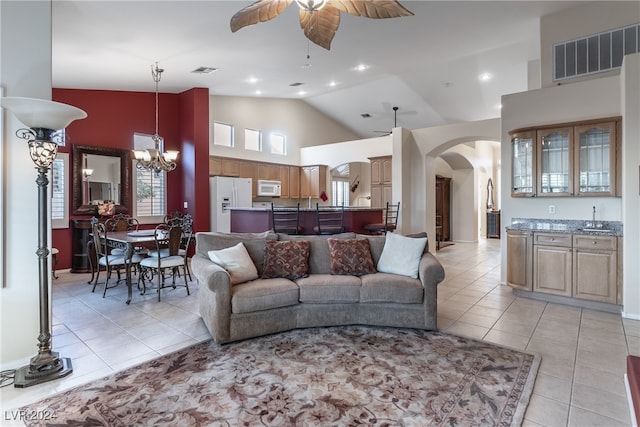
(344, 152)
(301, 124)
(25, 70)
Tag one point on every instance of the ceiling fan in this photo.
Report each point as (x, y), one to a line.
(395, 123)
(319, 19)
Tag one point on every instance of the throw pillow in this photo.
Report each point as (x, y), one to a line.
(350, 257)
(401, 255)
(237, 262)
(286, 259)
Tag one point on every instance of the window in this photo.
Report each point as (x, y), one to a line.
(60, 191)
(222, 134)
(149, 188)
(340, 192)
(278, 144)
(252, 140)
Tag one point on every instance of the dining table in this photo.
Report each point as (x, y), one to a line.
(128, 241)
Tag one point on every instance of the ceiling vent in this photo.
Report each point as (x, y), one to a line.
(365, 115)
(296, 84)
(204, 70)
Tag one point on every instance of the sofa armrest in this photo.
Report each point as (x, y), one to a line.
(214, 295)
(430, 273)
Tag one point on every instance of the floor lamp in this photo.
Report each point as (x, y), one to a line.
(43, 118)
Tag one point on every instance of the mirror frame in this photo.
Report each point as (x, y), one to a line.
(125, 178)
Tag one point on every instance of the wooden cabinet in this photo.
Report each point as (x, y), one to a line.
(552, 264)
(313, 181)
(248, 170)
(519, 259)
(572, 159)
(221, 166)
(294, 182)
(268, 171)
(595, 268)
(443, 209)
(215, 166)
(284, 182)
(381, 181)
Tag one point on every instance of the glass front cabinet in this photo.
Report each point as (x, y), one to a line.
(575, 159)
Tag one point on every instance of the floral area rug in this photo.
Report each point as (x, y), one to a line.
(338, 376)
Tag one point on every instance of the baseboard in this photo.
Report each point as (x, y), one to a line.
(593, 305)
(634, 421)
(630, 316)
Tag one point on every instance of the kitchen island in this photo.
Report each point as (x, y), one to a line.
(257, 220)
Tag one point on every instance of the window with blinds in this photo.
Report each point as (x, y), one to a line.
(340, 192)
(596, 53)
(59, 191)
(149, 188)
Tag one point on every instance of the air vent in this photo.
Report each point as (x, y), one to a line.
(204, 70)
(365, 115)
(296, 84)
(596, 53)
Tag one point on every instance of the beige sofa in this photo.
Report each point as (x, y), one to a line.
(265, 306)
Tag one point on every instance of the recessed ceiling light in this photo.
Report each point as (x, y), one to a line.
(258, 92)
(253, 80)
(361, 67)
(302, 92)
(485, 77)
(204, 70)
(499, 106)
(332, 83)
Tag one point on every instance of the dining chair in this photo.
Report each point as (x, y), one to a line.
(286, 220)
(390, 222)
(107, 260)
(184, 221)
(167, 242)
(330, 219)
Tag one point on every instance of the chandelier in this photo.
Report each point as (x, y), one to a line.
(153, 159)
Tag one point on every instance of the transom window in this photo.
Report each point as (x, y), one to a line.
(223, 134)
(278, 144)
(252, 140)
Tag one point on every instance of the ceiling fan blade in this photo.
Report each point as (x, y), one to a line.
(376, 9)
(321, 25)
(260, 11)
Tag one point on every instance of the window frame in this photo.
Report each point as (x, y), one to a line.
(259, 135)
(284, 144)
(61, 222)
(213, 139)
(141, 142)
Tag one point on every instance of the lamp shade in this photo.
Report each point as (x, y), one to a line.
(39, 113)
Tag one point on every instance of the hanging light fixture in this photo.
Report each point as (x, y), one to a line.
(153, 159)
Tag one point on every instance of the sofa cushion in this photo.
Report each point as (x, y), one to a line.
(319, 261)
(328, 288)
(253, 242)
(401, 255)
(263, 294)
(289, 260)
(350, 256)
(237, 262)
(385, 287)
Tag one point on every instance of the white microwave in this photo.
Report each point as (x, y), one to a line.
(268, 188)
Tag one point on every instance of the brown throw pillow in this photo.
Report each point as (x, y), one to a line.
(350, 256)
(286, 259)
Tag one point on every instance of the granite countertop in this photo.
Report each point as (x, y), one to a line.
(567, 226)
(350, 208)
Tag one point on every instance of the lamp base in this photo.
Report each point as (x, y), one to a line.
(28, 376)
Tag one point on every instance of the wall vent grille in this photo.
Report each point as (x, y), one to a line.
(596, 53)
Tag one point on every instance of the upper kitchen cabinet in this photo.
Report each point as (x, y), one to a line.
(555, 161)
(313, 181)
(523, 159)
(596, 159)
(572, 159)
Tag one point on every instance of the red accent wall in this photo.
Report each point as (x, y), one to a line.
(112, 119)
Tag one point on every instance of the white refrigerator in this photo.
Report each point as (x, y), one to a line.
(227, 193)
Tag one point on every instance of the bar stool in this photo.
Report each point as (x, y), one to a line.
(390, 220)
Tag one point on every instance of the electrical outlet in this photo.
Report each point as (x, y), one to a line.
(185, 205)
(552, 209)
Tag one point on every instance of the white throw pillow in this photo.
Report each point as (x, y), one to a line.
(237, 262)
(401, 255)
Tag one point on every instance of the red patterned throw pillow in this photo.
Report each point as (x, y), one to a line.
(350, 256)
(286, 259)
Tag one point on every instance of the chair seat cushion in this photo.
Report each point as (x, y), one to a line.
(263, 294)
(328, 229)
(328, 288)
(385, 287)
(167, 262)
(154, 253)
(118, 260)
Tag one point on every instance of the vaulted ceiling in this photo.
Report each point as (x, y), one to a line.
(428, 65)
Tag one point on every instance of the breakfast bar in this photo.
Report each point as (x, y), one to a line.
(257, 220)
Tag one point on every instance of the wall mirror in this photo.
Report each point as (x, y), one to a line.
(100, 174)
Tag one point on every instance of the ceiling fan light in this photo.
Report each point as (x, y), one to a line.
(311, 5)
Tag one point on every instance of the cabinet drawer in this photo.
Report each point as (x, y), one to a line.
(552, 239)
(604, 243)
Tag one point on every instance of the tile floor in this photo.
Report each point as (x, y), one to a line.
(579, 383)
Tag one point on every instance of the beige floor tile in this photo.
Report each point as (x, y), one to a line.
(494, 304)
(579, 417)
(477, 319)
(547, 412)
(601, 402)
(603, 335)
(486, 311)
(561, 349)
(444, 322)
(561, 312)
(556, 335)
(468, 330)
(117, 356)
(631, 327)
(553, 388)
(506, 325)
(610, 361)
(518, 342)
(633, 345)
(465, 299)
(557, 367)
(598, 378)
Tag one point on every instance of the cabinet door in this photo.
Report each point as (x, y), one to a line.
(519, 246)
(314, 182)
(376, 196)
(594, 275)
(294, 182)
(248, 170)
(284, 182)
(215, 166)
(387, 195)
(555, 162)
(595, 158)
(386, 171)
(552, 270)
(523, 164)
(230, 168)
(269, 172)
(305, 182)
(376, 171)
